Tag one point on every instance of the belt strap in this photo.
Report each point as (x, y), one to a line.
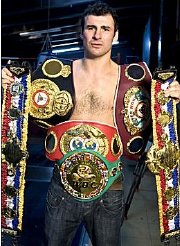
(164, 155)
(15, 108)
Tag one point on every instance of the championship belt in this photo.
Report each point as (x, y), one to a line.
(52, 91)
(15, 108)
(163, 158)
(133, 109)
(88, 155)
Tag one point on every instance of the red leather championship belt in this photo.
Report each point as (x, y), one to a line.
(15, 109)
(163, 158)
(88, 155)
(133, 110)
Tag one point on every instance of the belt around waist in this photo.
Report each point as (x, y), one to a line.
(77, 135)
(88, 156)
(86, 174)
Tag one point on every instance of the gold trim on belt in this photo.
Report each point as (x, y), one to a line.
(164, 155)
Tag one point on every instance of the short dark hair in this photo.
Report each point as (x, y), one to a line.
(100, 9)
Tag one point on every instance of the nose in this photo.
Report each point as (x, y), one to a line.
(97, 34)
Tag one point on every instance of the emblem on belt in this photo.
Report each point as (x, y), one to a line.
(135, 144)
(84, 137)
(116, 145)
(15, 111)
(135, 72)
(163, 158)
(18, 71)
(86, 174)
(137, 112)
(54, 68)
(48, 100)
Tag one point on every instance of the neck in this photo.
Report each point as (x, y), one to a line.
(97, 64)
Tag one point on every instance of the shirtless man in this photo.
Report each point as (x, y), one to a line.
(95, 79)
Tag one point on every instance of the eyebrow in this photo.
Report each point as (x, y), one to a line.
(107, 27)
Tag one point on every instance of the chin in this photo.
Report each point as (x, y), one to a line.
(95, 54)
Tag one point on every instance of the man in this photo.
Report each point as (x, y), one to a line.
(83, 142)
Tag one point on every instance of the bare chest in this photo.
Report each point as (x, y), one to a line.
(94, 96)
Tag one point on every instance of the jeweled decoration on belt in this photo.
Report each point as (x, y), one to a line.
(137, 109)
(15, 109)
(82, 176)
(86, 174)
(163, 158)
(48, 100)
(84, 137)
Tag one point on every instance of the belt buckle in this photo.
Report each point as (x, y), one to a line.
(86, 175)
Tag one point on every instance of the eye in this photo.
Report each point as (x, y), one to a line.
(90, 27)
(106, 29)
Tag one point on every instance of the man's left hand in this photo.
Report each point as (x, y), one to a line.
(173, 91)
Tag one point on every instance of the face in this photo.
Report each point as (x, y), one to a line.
(98, 35)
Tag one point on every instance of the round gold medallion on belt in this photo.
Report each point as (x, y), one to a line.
(62, 103)
(54, 68)
(47, 99)
(137, 109)
(84, 175)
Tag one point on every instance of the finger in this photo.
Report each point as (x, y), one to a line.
(6, 71)
(173, 90)
(174, 83)
(175, 94)
(7, 78)
(7, 75)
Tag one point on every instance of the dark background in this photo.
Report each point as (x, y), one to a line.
(143, 24)
(149, 30)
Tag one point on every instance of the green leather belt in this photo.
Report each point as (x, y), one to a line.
(86, 174)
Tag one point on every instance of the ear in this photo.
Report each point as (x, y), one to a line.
(116, 36)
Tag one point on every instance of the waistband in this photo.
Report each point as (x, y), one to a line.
(83, 135)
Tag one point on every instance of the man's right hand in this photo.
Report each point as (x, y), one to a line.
(7, 77)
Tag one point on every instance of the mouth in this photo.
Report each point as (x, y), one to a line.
(96, 45)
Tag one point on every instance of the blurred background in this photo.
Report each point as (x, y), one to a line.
(149, 30)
